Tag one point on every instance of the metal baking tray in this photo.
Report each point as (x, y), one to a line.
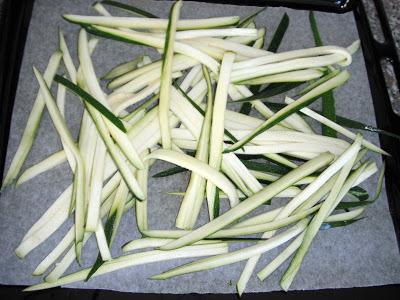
(14, 26)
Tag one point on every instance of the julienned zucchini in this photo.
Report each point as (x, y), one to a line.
(158, 103)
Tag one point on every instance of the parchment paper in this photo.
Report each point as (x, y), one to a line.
(363, 254)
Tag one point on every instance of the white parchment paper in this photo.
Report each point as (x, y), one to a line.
(363, 254)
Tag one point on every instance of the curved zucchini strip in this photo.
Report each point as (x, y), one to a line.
(252, 202)
(293, 107)
(166, 76)
(199, 167)
(32, 124)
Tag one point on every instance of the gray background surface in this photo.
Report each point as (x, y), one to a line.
(360, 255)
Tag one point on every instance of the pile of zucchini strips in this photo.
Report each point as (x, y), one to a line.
(174, 109)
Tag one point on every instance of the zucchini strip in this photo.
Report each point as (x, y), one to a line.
(295, 54)
(66, 242)
(292, 76)
(156, 242)
(179, 47)
(141, 206)
(67, 59)
(286, 66)
(327, 207)
(121, 80)
(294, 107)
(166, 78)
(252, 202)
(46, 164)
(151, 23)
(96, 185)
(228, 46)
(300, 199)
(217, 128)
(194, 196)
(199, 167)
(338, 128)
(235, 256)
(135, 260)
(114, 151)
(32, 125)
(280, 258)
(123, 68)
(94, 88)
(79, 177)
(61, 267)
(179, 63)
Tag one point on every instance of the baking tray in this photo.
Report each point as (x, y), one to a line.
(15, 24)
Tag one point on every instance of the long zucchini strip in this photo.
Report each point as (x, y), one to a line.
(66, 242)
(114, 151)
(292, 76)
(191, 202)
(117, 209)
(166, 78)
(217, 127)
(295, 54)
(327, 206)
(32, 124)
(294, 107)
(252, 202)
(121, 80)
(280, 258)
(96, 185)
(192, 117)
(286, 66)
(235, 256)
(290, 147)
(94, 87)
(229, 46)
(141, 206)
(62, 266)
(199, 167)
(246, 120)
(179, 63)
(292, 121)
(151, 23)
(204, 33)
(60, 102)
(190, 78)
(67, 59)
(90, 148)
(56, 215)
(156, 242)
(260, 41)
(338, 128)
(309, 203)
(79, 177)
(137, 259)
(292, 248)
(123, 68)
(297, 201)
(179, 47)
(121, 101)
(290, 192)
(48, 163)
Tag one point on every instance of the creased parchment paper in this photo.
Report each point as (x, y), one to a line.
(363, 254)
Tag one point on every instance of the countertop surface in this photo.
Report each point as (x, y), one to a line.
(392, 9)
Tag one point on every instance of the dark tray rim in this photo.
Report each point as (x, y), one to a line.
(15, 23)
